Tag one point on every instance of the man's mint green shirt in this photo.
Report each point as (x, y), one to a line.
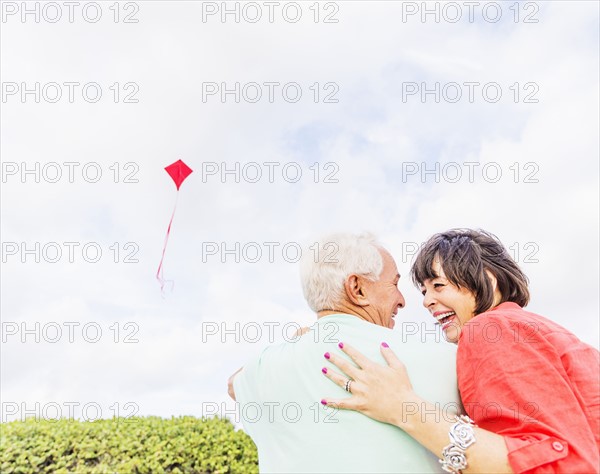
(279, 397)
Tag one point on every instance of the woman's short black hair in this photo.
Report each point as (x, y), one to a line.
(465, 255)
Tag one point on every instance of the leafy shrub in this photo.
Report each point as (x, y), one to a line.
(136, 445)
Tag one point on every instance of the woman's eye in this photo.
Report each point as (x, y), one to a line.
(438, 285)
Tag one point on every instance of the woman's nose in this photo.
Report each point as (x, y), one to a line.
(428, 300)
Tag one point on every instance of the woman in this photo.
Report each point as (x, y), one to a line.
(530, 386)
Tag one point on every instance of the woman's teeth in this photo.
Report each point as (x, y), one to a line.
(443, 316)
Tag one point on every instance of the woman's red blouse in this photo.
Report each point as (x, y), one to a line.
(530, 380)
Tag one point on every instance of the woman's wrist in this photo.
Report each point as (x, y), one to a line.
(409, 413)
(428, 425)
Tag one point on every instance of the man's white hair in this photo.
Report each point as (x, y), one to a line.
(326, 264)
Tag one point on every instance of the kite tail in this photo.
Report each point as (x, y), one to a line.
(159, 272)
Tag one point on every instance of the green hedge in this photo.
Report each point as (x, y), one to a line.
(126, 445)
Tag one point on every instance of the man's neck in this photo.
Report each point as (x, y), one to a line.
(359, 312)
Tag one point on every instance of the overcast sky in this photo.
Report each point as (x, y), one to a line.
(348, 115)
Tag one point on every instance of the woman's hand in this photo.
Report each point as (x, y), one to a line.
(382, 393)
(386, 394)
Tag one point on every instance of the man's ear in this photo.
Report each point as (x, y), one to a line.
(355, 290)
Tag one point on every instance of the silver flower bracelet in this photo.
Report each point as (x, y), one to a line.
(461, 436)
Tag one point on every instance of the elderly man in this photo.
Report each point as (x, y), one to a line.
(351, 283)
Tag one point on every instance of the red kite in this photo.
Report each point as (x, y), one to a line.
(178, 172)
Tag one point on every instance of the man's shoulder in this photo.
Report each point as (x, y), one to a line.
(410, 341)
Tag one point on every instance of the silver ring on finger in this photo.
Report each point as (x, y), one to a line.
(347, 387)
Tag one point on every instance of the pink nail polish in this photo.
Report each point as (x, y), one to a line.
(341, 345)
(385, 344)
(323, 402)
(327, 356)
(324, 370)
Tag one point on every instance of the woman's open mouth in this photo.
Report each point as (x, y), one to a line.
(445, 319)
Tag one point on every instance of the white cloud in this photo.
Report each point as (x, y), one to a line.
(369, 134)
